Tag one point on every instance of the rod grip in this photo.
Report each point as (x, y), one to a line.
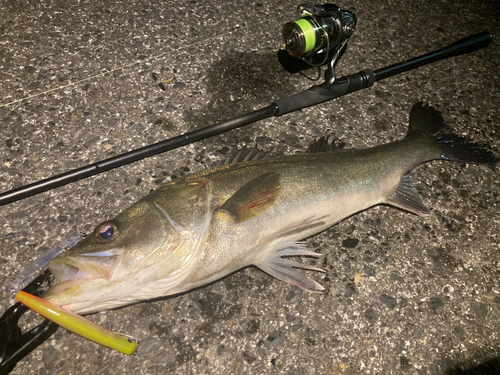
(323, 93)
(467, 45)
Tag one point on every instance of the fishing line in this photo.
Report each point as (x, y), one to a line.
(142, 61)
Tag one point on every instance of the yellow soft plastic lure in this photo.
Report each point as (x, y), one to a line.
(77, 323)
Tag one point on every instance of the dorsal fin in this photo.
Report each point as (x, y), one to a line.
(323, 144)
(426, 119)
(243, 154)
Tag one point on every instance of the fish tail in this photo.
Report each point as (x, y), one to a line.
(425, 119)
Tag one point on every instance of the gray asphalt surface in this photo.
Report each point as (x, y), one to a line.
(406, 294)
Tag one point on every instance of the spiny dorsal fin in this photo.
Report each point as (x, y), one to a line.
(254, 198)
(426, 119)
(243, 154)
(407, 198)
(323, 145)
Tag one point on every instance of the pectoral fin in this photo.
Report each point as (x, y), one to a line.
(254, 198)
(407, 198)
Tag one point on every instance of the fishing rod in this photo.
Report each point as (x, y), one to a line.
(319, 37)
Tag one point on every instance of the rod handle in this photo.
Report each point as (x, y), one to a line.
(325, 92)
(467, 45)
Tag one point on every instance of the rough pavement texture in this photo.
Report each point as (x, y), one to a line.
(406, 294)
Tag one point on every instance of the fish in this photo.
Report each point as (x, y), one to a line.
(251, 210)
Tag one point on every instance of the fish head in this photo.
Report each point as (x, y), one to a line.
(140, 254)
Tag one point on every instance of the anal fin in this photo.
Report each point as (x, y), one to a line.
(407, 198)
(283, 269)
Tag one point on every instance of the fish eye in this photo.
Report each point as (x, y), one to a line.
(106, 232)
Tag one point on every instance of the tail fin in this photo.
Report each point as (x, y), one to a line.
(426, 119)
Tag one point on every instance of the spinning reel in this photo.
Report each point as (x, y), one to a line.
(319, 34)
(317, 38)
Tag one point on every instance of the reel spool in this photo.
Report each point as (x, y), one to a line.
(320, 32)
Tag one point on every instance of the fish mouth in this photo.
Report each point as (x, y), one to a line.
(77, 273)
(83, 267)
(64, 272)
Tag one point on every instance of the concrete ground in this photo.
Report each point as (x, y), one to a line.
(406, 294)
